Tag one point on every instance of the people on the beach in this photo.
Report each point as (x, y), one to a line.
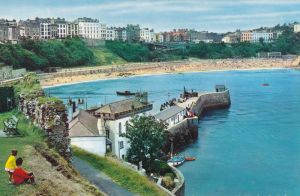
(20, 175)
(10, 164)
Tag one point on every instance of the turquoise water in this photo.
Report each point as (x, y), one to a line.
(252, 148)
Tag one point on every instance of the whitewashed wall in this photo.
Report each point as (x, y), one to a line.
(95, 145)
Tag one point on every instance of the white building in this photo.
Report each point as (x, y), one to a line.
(45, 30)
(115, 116)
(91, 28)
(296, 28)
(85, 132)
(266, 36)
(124, 35)
(172, 115)
(62, 28)
(111, 34)
(147, 35)
(72, 29)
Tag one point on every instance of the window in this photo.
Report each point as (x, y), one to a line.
(121, 144)
(120, 128)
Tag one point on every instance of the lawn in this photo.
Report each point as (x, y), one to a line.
(122, 175)
(106, 57)
(32, 136)
(51, 179)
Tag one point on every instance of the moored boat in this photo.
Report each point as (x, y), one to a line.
(125, 93)
(190, 158)
(176, 161)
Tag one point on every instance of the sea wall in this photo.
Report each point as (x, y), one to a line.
(209, 101)
(182, 134)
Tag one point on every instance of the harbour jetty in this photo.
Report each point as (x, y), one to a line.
(183, 116)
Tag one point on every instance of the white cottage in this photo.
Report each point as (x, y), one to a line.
(172, 115)
(85, 132)
(114, 117)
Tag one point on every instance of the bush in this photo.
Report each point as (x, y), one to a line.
(172, 175)
(168, 182)
(160, 167)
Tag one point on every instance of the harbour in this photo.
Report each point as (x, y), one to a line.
(240, 146)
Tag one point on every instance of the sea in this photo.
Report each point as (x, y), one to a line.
(251, 148)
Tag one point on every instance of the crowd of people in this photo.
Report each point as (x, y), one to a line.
(17, 175)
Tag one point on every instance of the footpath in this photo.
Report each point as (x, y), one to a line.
(99, 179)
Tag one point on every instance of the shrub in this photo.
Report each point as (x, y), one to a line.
(160, 167)
(168, 182)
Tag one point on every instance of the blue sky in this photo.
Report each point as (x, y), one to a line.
(211, 15)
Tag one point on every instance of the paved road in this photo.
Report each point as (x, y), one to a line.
(99, 179)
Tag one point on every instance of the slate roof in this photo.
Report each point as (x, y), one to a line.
(120, 106)
(83, 124)
(169, 112)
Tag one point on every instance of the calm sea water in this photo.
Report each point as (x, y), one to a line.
(252, 148)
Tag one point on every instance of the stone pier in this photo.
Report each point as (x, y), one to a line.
(186, 132)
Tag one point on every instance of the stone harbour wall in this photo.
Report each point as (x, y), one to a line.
(210, 101)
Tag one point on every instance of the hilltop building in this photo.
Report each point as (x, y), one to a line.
(132, 33)
(147, 35)
(111, 34)
(91, 28)
(296, 28)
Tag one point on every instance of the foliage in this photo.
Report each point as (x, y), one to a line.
(122, 175)
(146, 137)
(132, 52)
(168, 182)
(33, 55)
(160, 167)
(29, 87)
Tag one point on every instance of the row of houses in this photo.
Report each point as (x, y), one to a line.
(59, 28)
(251, 36)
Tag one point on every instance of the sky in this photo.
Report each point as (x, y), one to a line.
(162, 15)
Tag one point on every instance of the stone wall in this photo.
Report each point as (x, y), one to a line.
(182, 134)
(210, 101)
(186, 132)
(51, 117)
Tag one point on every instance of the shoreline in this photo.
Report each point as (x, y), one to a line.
(163, 73)
(100, 73)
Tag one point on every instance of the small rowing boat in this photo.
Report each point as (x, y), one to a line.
(190, 158)
(125, 93)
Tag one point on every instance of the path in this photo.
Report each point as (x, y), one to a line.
(99, 179)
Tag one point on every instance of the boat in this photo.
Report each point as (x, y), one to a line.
(125, 93)
(176, 161)
(190, 158)
(265, 84)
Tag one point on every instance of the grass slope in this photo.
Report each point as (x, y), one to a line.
(106, 57)
(124, 176)
(52, 178)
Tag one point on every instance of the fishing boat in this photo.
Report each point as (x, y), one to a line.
(190, 158)
(176, 161)
(125, 93)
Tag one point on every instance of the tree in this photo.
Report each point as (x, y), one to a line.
(146, 136)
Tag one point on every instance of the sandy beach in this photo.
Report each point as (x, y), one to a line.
(77, 75)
